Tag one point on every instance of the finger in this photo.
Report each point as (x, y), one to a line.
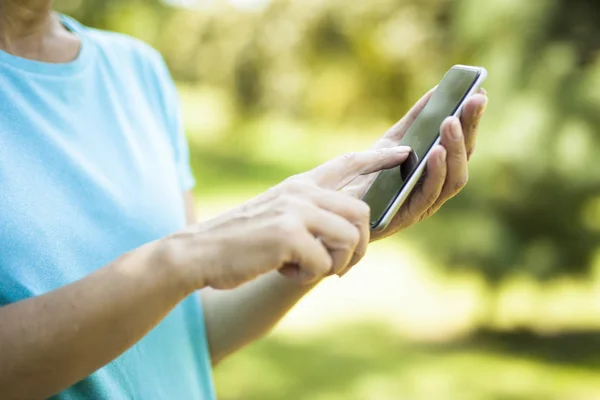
(360, 251)
(358, 187)
(350, 208)
(310, 260)
(339, 236)
(393, 136)
(470, 118)
(340, 171)
(355, 211)
(457, 173)
(427, 194)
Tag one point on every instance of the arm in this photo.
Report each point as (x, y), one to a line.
(48, 343)
(236, 318)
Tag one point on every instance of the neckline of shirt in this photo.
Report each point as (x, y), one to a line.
(55, 69)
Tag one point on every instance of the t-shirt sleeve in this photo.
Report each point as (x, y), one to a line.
(171, 105)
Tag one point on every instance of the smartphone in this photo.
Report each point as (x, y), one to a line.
(392, 187)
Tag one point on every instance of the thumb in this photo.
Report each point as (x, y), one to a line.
(337, 173)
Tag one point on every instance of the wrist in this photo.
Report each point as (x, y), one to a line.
(149, 270)
(183, 261)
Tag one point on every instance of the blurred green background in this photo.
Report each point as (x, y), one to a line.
(496, 297)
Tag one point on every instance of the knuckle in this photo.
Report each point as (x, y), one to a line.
(432, 210)
(380, 153)
(470, 151)
(288, 225)
(285, 201)
(426, 214)
(359, 254)
(431, 198)
(359, 211)
(351, 239)
(295, 184)
(363, 211)
(456, 154)
(354, 237)
(461, 183)
(349, 159)
(289, 202)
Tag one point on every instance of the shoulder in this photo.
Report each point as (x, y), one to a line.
(122, 50)
(125, 46)
(131, 63)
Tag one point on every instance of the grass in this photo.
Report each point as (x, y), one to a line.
(355, 338)
(372, 362)
(350, 339)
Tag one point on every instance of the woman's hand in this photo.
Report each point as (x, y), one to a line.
(447, 171)
(305, 228)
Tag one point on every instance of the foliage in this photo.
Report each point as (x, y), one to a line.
(271, 92)
(533, 204)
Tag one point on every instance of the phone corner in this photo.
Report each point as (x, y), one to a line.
(483, 74)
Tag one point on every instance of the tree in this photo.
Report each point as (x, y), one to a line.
(533, 203)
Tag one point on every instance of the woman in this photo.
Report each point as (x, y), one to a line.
(102, 259)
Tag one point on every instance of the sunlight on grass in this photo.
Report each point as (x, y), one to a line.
(391, 328)
(370, 362)
(396, 285)
(346, 340)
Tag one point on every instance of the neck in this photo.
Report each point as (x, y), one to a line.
(29, 29)
(21, 19)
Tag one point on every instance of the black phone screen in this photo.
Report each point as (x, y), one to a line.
(420, 137)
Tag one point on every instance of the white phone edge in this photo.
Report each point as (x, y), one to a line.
(406, 191)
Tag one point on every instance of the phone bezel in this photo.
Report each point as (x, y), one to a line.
(416, 175)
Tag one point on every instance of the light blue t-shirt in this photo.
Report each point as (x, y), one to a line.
(93, 164)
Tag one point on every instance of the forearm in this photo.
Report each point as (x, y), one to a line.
(50, 342)
(237, 317)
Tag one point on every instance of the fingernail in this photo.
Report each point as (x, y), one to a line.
(482, 91)
(455, 129)
(401, 149)
(482, 107)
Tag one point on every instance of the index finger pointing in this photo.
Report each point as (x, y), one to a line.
(340, 171)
